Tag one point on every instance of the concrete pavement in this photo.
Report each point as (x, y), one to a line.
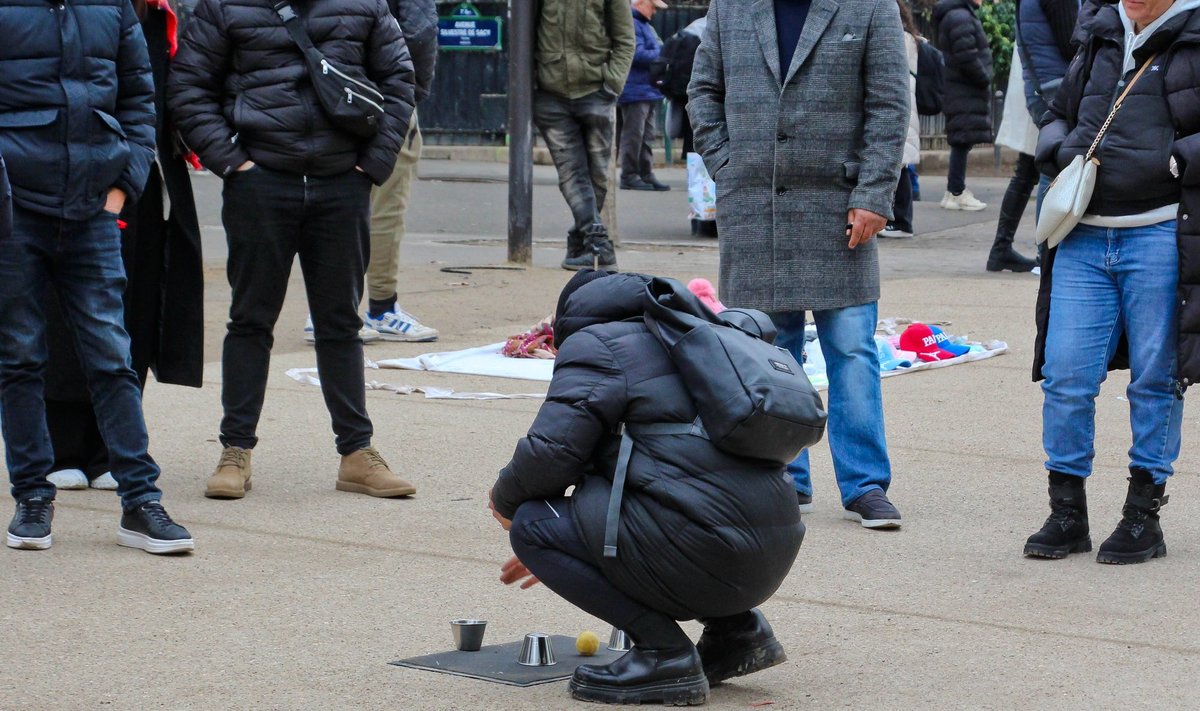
(298, 595)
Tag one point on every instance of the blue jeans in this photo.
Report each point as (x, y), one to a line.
(82, 260)
(1109, 281)
(855, 405)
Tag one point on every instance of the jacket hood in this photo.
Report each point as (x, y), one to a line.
(945, 6)
(1108, 22)
(614, 298)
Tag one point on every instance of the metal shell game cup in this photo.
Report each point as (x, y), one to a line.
(468, 634)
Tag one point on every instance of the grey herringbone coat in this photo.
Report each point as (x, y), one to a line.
(792, 154)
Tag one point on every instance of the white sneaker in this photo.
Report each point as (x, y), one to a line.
(895, 233)
(400, 325)
(68, 479)
(366, 333)
(963, 201)
(105, 482)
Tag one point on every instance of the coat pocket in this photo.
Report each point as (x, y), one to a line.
(33, 147)
(109, 152)
(850, 170)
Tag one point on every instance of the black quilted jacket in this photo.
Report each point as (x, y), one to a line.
(702, 533)
(968, 72)
(240, 89)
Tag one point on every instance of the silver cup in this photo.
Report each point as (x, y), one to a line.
(537, 650)
(618, 641)
(468, 634)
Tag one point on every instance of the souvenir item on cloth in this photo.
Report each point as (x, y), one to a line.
(920, 339)
(888, 360)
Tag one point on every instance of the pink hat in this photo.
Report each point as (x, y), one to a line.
(921, 340)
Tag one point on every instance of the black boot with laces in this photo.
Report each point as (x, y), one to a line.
(150, 528)
(1139, 535)
(30, 527)
(1066, 530)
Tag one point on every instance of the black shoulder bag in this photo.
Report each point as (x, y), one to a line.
(349, 98)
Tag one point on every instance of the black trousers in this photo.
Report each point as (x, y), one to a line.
(546, 540)
(902, 205)
(271, 217)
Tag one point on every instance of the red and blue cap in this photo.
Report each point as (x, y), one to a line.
(930, 343)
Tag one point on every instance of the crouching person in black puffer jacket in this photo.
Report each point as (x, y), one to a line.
(703, 534)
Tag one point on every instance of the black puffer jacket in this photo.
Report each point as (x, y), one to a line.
(968, 72)
(1160, 119)
(75, 122)
(240, 89)
(702, 533)
(419, 21)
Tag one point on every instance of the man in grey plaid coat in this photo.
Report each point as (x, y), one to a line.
(800, 109)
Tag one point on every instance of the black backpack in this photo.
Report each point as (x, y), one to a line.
(931, 78)
(753, 398)
(672, 71)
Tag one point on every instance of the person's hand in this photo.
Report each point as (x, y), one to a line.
(504, 522)
(245, 166)
(115, 201)
(862, 225)
(514, 570)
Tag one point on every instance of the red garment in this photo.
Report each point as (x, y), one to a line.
(172, 23)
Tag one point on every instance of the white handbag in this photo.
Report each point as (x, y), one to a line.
(1069, 194)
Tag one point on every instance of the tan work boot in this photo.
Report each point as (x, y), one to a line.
(231, 480)
(365, 472)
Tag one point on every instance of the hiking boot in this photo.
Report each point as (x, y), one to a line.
(231, 480)
(674, 677)
(873, 510)
(737, 646)
(1066, 530)
(963, 201)
(400, 325)
(365, 472)
(575, 244)
(655, 183)
(805, 502)
(1139, 536)
(598, 252)
(30, 526)
(1007, 258)
(149, 528)
(635, 183)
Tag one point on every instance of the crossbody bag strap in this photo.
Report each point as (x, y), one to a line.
(1116, 106)
(291, 21)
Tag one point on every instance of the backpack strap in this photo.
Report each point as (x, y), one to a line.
(627, 430)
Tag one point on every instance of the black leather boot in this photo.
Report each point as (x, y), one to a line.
(1003, 257)
(574, 248)
(644, 676)
(1066, 530)
(738, 645)
(597, 251)
(1139, 535)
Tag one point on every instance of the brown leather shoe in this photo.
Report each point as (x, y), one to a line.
(231, 480)
(365, 472)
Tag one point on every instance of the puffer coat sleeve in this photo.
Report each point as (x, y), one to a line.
(585, 402)
(135, 105)
(196, 86)
(390, 66)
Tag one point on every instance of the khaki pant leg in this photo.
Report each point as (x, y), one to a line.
(389, 202)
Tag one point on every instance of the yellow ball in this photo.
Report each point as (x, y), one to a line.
(587, 643)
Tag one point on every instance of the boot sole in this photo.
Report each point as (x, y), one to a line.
(1159, 551)
(380, 493)
(1040, 550)
(688, 691)
(228, 493)
(133, 539)
(768, 654)
(29, 544)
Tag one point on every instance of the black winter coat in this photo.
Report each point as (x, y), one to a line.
(968, 72)
(702, 533)
(240, 89)
(419, 22)
(78, 121)
(1160, 119)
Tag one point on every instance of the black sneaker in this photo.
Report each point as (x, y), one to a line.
(30, 527)
(150, 528)
(655, 183)
(805, 501)
(873, 510)
(635, 183)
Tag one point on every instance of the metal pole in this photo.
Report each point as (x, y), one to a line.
(520, 131)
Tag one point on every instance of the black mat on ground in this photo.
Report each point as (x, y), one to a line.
(498, 663)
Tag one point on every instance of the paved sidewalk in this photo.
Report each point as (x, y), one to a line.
(299, 595)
